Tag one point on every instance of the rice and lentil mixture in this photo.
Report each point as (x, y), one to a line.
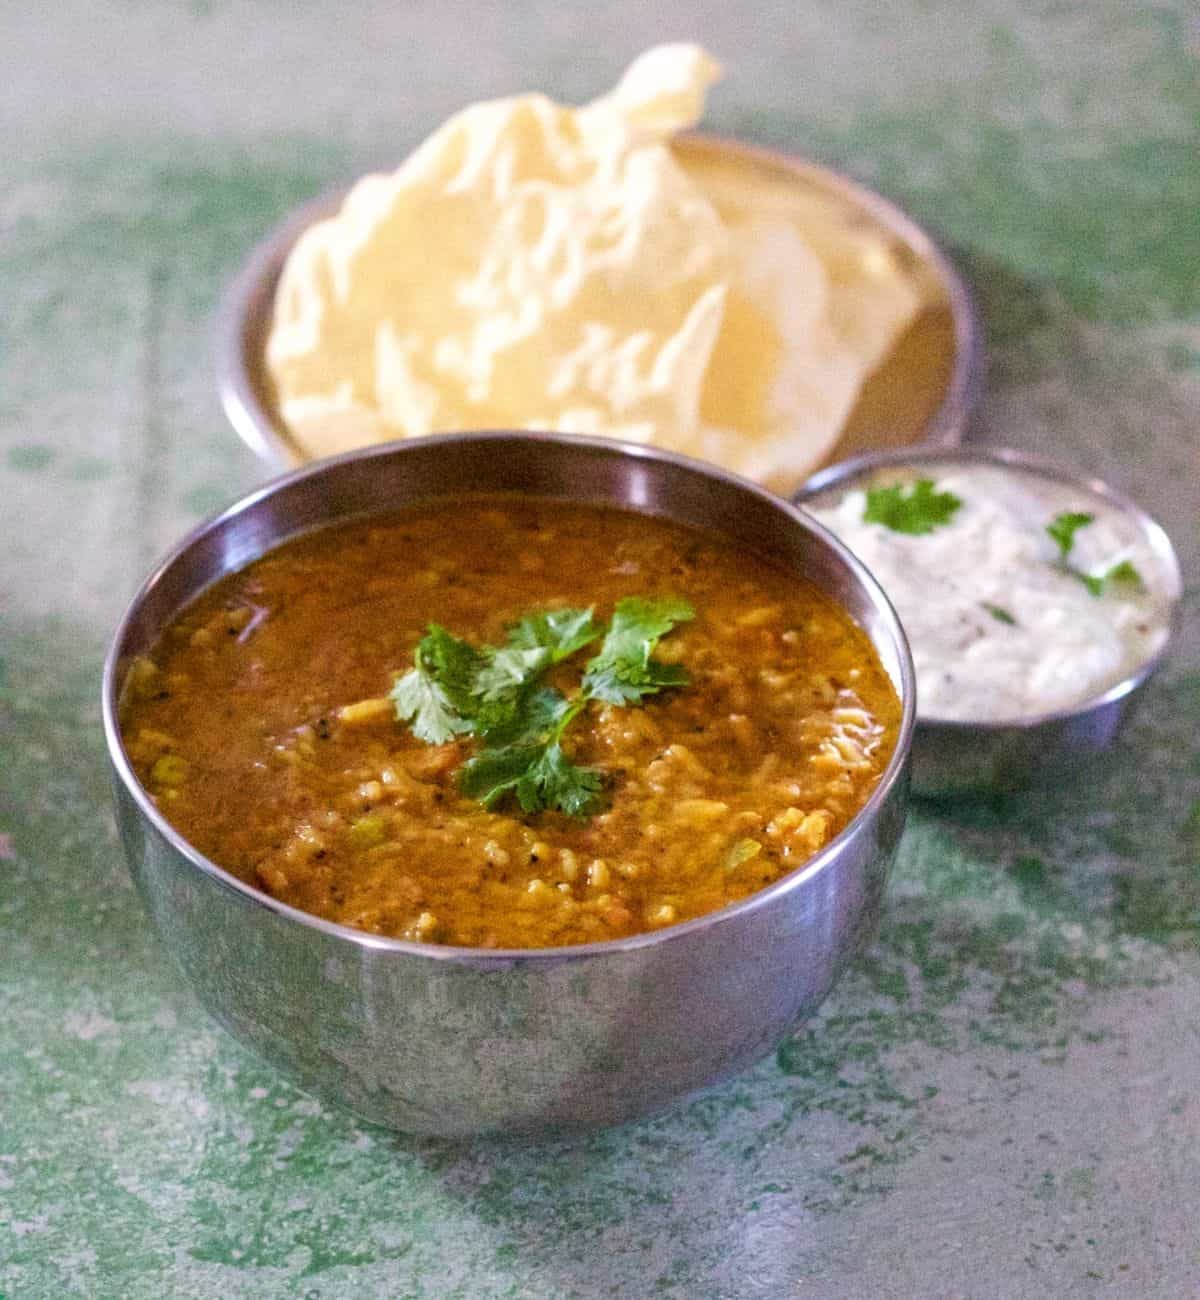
(261, 725)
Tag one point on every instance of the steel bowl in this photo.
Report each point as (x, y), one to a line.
(455, 1041)
(924, 392)
(953, 757)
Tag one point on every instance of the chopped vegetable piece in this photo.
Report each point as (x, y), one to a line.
(169, 770)
(367, 832)
(918, 511)
(1000, 614)
(741, 851)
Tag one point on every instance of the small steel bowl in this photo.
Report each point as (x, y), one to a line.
(457, 1041)
(952, 757)
(924, 392)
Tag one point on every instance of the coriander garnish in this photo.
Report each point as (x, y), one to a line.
(1122, 574)
(1063, 528)
(1125, 572)
(536, 772)
(435, 697)
(624, 672)
(999, 613)
(919, 511)
(495, 693)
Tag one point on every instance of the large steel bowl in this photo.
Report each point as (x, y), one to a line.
(458, 1041)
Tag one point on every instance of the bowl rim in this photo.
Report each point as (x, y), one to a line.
(846, 473)
(259, 430)
(893, 775)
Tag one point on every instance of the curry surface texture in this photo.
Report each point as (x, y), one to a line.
(260, 725)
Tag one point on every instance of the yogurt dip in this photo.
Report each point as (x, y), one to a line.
(1021, 594)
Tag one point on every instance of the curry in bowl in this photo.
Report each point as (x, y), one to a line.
(504, 722)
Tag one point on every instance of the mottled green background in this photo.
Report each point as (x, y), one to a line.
(1003, 1099)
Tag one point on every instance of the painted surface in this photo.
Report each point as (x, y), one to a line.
(1002, 1099)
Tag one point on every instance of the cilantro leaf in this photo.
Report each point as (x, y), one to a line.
(533, 716)
(538, 641)
(555, 782)
(627, 681)
(561, 632)
(435, 696)
(453, 663)
(1123, 574)
(540, 777)
(999, 613)
(624, 672)
(509, 670)
(1063, 527)
(636, 619)
(422, 703)
(495, 693)
(532, 766)
(919, 511)
(493, 773)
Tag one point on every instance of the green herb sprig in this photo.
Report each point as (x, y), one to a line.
(1062, 528)
(1122, 574)
(918, 511)
(496, 694)
(999, 613)
(437, 695)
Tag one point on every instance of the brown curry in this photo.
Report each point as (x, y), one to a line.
(262, 726)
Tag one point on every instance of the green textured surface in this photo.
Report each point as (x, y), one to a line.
(1003, 1098)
